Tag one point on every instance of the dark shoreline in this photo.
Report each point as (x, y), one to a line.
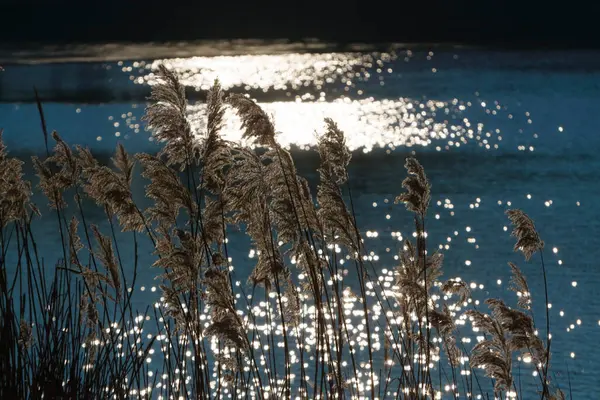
(34, 53)
(39, 52)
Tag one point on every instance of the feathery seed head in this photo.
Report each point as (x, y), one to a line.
(418, 190)
(528, 239)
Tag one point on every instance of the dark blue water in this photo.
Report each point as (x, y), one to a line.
(539, 113)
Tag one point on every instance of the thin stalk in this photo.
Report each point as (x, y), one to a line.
(545, 389)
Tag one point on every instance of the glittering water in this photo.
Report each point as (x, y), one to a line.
(494, 130)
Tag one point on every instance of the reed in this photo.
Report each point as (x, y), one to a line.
(314, 318)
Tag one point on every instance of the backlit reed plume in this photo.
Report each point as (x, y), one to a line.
(528, 240)
(75, 244)
(334, 152)
(291, 310)
(225, 322)
(88, 310)
(519, 285)
(417, 198)
(335, 218)
(94, 280)
(214, 151)
(493, 354)
(509, 331)
(290, 201)
(256, 123)
(411, 278)
(166, 190)
(172, 307)
(105, 254)
(181, 261)
(418, 190)
(58, 172)
(214, 221)
(444, 323)
(248, 193)
(167, 118)
(521, 332)
(268, 266)
(457, 287)
(15, 201)
(112, 189)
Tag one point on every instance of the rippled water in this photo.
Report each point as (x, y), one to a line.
(493, 130)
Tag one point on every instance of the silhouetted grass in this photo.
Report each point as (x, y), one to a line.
(315, 318)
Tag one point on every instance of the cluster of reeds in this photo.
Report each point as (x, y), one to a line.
(315, 318)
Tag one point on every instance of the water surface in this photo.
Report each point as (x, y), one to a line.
(494, 130)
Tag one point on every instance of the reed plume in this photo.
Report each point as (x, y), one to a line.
(75, 244)
(167, 191)
(214, 220)
(528, 239)
(248, 195)
(458, 287)
(493, 354)
(336, 220)
(225, 324)
(15, 203)
(518, 284)
(112, 189)
(411, 278)
(520, 330)
(529, 242)
(291, 311)
(167, 118)
(334, 152)
(105, 254)
(268, 267)
(290, 201)
(256, 123)
(444, 323)
(181, 261)
(418, 191)
(172, 307)
(57, 172)
(88, 309)
(215, 152)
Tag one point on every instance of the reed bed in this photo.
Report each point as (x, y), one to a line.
(314, 319)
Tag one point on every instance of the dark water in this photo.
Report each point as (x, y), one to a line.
(494, 130)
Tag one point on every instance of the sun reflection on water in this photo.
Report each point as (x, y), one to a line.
(367, 123)
(272, 72)
(300, 90)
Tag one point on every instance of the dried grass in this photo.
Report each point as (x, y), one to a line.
(201, 312)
